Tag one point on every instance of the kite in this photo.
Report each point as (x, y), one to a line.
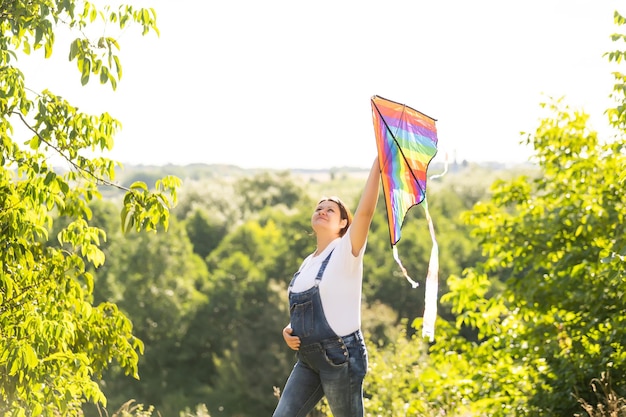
(406, 140)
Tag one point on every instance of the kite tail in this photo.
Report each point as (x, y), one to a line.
(432, 278)
(445, 168)
(432, 283)
(406, 275)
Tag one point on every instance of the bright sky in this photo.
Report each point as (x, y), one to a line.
(287, 84)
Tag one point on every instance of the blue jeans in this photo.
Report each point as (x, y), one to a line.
(334, 368)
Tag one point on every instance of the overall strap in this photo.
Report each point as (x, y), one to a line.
(318, 278)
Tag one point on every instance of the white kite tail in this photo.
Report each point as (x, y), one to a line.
(414, 284)
(432, 280)
(432, 283)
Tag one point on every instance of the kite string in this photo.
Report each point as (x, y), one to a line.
(414, 284)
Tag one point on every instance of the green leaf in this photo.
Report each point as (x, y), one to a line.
(74, 49)
(35, 142)
(86, 70)
(104, 75)
(139, 185)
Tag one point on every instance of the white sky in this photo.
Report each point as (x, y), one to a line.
(287, 84)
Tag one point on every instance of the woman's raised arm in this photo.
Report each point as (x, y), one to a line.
(365, 210)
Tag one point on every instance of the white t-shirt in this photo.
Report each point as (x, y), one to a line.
(340, 289)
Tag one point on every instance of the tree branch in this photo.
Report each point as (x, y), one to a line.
(70, 161)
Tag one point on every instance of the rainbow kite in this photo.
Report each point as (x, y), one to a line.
(407, 141)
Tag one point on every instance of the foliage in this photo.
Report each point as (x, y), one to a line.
(557, 244)
(266, 190)
(251, 308)
(131, 409)
(155, 280)
(533, 320)
(54, 341)
(617, 115)
(398, 381)
(608, 403)
(547, 241)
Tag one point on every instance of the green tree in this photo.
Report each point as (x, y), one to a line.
(205, 231)
(557, 243)
(210, 209)
(248, 311)
(155, 280)
(239, 330)
(54, 341)
(267, 189)
(558, 321)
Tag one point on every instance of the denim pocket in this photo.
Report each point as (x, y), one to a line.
(302, 319)
(358, 359)
(337, 354)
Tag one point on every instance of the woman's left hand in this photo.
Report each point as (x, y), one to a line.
(292, 341)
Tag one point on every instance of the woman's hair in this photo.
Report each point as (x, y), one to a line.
(343, 210)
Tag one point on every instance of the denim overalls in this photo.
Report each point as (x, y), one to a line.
(328, 365)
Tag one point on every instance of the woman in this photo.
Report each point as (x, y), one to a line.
(325, 311)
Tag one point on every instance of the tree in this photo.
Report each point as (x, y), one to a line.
(155, 280)
(204, 231)
(266, 190)
(557, 243)
(54, 341)
(247, 310)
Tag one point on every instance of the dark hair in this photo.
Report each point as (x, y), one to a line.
(344, 212)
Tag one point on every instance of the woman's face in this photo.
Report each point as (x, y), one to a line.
(327, 218)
